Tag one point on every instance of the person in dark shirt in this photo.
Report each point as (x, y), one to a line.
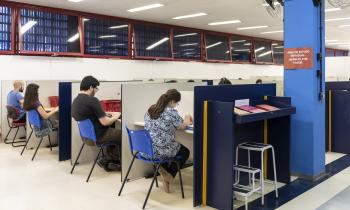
(225, 81)
(87, 106)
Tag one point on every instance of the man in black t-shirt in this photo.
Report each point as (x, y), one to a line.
(87, 106)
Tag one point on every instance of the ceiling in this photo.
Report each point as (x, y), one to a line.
(251, 13)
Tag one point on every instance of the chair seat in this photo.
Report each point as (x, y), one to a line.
(246, 169)
(157, 161)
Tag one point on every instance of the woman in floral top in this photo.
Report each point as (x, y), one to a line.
(162, 120)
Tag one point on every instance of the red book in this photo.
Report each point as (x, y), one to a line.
(267, 107)
(250, 109)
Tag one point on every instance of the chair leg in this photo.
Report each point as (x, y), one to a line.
(7, 135)
(236, 172)
(180, 176)
(274, 171)
(150, 188)
(37, 148)
(154, 168)
(48, 136)
(127, 174)
(76, 160)
(262, 178)
(246, 202)
(14, 139)
(25, 146)
(93, 166)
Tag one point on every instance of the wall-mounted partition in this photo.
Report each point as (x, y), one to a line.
(136, 99)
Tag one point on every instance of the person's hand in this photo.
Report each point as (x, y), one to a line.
(188, 119)
(115, 115)
(56, 109)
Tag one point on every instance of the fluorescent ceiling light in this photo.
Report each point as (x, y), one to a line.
(339, 43)
(85, 19)
(265, 53)
(182, 35)
(75, 1)
(157, 43)
(225, 22)
(147, 7)
(332, 9)
(337, 19)
(189, 44)
(107, 36)
(28, 26)
(238, 41)
(120, 26)
(213, 45)
(272, 32)
(347, 45)
(190, 16)
(242, 50)
(227, 52)
(344, 26)
(274, 44)
(251, 27)
(259, 49)
(74, 38)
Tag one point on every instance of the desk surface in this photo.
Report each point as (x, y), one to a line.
(49, 109)
(142, 124)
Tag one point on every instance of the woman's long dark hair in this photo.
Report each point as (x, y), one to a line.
(31, 97)
(157, 109)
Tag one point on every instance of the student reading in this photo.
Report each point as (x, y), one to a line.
(15, 99)
(162, 120)
(31, 101)
(87, 106)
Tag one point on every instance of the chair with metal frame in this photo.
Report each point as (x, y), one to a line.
(140, 141)
(14, 123)
(87, 134)
(35, 121)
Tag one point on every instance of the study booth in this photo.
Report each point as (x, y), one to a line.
(338, 117)
(136, 99)
(218, 131)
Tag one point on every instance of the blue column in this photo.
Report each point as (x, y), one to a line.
(302, 29)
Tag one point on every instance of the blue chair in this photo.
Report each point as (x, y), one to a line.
(140, 141)
(35, 121)
(87, 133)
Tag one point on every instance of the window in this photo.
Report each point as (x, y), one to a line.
(5, 29)
(106, 37)
(329, 53)
(278, 53)
(340, 53)
(49, 32)
(151, 41)
(241, 49)
(262, 52)
(217, 47)
(187, 45)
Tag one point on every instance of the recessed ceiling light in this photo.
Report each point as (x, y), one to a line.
(251, 28)
(182, 35)
(75, 1)
(332, 9)
(225, 22)
(147, 7)
(344, 26)
(272, 32)
(157, 43)
(74, 38)
(213, 45)
(337, 19)
(120, 26)
(190, 16)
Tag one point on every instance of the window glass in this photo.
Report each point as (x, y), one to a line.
(263, 52)
(187, 45)
(278, 53)
(241, 49)
(5, 28)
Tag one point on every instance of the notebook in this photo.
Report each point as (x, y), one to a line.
(241, 112)
(267, 107)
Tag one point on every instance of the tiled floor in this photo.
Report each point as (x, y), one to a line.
(46, 184)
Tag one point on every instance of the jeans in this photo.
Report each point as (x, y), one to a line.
(184, 153)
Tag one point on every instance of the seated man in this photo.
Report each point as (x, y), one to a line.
(87, 106)
(15, 99)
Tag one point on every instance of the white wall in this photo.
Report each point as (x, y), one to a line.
(58, 68)
(338, 68)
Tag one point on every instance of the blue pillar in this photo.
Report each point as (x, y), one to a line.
(302, 30)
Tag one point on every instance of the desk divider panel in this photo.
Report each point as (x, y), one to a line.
(65, 124)
(136, 99)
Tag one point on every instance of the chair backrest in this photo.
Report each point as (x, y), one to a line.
(87, 130)
(34, 118)
(12, 112)
(140, 141)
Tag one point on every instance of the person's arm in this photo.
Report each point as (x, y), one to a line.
(107, 121)
(178, 122)
(187, 121)
(101, 114)
(44, 114)
(21, 102)
(20, 99)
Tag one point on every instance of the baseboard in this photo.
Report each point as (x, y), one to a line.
(310, 178)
